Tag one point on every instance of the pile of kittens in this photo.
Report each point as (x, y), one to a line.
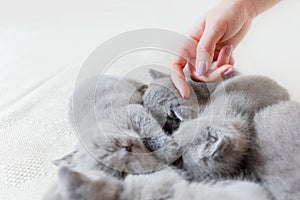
(233, 139)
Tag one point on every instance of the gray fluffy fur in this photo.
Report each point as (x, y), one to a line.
(218, 143)
(278, 134)
(211, 136)
(166, 105)
(107, 140)
(165, 184)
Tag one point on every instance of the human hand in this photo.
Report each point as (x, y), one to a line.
(210, 58)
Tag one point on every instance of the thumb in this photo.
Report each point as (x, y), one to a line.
(206, 48)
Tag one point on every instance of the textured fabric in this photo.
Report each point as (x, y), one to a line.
(34, 130)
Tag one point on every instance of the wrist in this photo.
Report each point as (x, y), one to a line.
(250, 7)
(245, 6)
(256, 7)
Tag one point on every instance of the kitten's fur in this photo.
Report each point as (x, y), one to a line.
(161, 185)
(166, 105)
(107, 140)
(278, 137)
(218, 143)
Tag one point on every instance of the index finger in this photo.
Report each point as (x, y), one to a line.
(178, 77)
(189, 51)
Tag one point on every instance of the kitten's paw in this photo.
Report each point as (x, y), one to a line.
(142, 121)
(147, 127)
(138, 116)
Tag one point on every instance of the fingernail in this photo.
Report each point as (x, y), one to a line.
(228, 50)
(184, 94)
(201, 69)
(228, 72)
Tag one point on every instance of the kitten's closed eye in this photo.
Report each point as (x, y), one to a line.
(127, 143)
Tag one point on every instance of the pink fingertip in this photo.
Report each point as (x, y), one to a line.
(228, 71)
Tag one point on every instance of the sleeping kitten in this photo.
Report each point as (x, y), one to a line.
(166, 105)
(218, 143)
(165, 184)
(106, 138)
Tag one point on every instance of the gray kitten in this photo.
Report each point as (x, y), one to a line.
(165, 184)
(214, 145)
(166, 105)
(107, 140)
(218, 143)
(278, 138)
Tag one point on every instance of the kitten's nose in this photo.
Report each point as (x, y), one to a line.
(128, 148)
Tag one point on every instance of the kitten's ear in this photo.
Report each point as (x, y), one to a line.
(213, 142)
(157, 74)
(142, 89)
(67, 160)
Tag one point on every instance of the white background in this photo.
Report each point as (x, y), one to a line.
(39, 37)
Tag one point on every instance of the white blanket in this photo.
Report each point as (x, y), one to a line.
(34, 130)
